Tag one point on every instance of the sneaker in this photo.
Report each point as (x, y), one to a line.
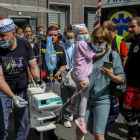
(111, 121)
(67, 124)
(71, 118)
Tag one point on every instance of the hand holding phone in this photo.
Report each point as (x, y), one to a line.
(107, 64)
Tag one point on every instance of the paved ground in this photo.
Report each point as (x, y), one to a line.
(112, 131)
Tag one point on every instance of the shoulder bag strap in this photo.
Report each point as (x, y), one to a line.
(110, 56)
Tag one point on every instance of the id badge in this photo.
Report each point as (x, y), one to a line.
(71, 66)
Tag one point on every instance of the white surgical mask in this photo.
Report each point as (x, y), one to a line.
(83, 37)
(98, 48)
(5, 44)
(69, 42)
(40, 33)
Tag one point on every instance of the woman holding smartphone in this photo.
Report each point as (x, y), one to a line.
(99, 92)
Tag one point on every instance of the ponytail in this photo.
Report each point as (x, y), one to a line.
(68, 29)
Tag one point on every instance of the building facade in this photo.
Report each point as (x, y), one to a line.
(22, 18)
(74, 12)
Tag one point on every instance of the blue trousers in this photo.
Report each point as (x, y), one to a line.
(114, 108)
(20, 116)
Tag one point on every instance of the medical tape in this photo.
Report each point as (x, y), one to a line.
(75, 94)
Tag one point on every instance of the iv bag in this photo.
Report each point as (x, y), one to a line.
(50, 56)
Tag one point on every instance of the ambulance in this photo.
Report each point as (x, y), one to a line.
(120, 11)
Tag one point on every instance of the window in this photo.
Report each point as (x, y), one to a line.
(63, 19)
(89, 15)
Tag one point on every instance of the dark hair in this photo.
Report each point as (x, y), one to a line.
(135, 18)
(68, 29)
(26, 26)
(59, 36)
(52, 28)
(38, 27)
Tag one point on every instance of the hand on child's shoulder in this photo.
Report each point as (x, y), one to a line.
(104, 51)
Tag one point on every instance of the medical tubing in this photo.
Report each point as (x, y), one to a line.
(78, 92)
(40, 58)
(52, 86)
(51, 78)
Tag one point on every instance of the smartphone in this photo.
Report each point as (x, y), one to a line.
(107, 64)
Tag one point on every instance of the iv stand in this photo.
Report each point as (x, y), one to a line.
(40, 58)
(40, 67)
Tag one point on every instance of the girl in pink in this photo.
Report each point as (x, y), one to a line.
(82, 68)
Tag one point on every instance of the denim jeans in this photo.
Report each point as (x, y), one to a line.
(20, 115)
(114, 108)
(66, 93)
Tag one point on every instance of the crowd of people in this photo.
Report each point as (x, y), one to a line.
(83, 55)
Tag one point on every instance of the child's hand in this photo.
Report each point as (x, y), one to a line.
(104, 51)
(82, 85)
(100, 53)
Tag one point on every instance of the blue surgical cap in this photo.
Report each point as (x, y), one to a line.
(6, 25)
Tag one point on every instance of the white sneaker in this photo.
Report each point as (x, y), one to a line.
(67, 124)
(71, 118)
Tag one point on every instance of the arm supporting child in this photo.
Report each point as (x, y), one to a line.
(80, 85)
(99, 54)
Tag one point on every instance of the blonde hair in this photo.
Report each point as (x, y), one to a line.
(102, 33)
(111, 25)
(20, 30)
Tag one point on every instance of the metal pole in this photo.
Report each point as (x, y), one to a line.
(48, 6)
(40, 58)
(41, 135)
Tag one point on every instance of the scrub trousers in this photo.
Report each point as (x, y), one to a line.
(131, 111)
(20, 116)
(132, 116)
